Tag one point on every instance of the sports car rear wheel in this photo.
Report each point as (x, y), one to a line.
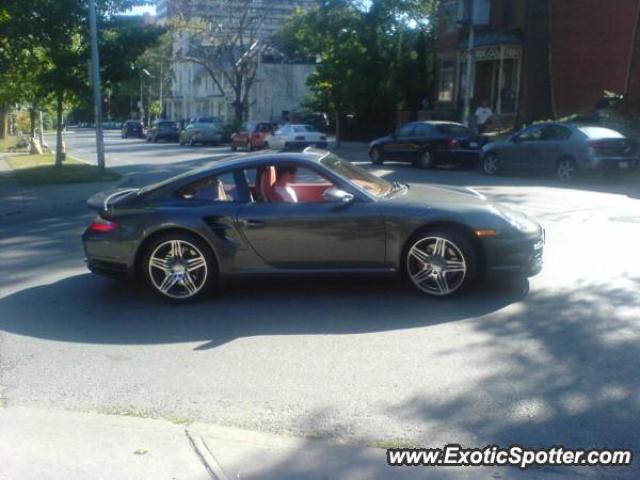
(440, 263)
(179, 267)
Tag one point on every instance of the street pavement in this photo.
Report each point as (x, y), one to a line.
(366, 362)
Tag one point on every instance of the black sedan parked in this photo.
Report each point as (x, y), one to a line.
(132, 128)
(163, 130)
(427, 144)
(309, 212)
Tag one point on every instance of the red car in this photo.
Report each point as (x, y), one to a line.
(252, 136)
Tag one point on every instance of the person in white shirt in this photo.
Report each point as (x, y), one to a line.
(483, 116)
(285, 176)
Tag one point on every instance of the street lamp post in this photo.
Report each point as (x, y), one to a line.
(95, 80)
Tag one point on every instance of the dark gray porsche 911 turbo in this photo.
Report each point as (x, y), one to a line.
(309, 212)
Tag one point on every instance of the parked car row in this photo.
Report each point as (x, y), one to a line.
(210, 130)
(564, 149)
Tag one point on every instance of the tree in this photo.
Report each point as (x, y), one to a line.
(373, 57)
(47, 47)
(227, 43)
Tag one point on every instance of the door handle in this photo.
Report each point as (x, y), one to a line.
(252, 223)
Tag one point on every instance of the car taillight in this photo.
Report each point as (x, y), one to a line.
(453, 144)
(596, 146)
(299, 138)
(101, 225)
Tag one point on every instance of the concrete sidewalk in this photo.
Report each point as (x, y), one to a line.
(36, 443)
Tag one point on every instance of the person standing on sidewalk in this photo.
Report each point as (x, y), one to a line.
(483, 115)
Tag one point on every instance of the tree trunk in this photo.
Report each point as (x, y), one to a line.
(59, 150)
(32, 122)
(4, 123)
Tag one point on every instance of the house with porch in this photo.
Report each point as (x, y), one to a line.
(535, 59)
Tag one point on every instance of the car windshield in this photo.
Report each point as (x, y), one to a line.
(355, 174)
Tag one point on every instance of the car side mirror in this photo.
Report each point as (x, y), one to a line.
(335, 195)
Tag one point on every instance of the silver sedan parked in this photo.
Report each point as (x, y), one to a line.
(564, 149)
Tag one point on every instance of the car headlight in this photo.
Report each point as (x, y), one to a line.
(516, 219)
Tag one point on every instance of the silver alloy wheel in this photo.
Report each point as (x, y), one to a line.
(426, 160)
(376, 158)
(436, 266)
(566, 170)
(490, 165)
(177, 269)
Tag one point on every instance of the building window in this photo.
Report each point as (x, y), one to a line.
(481, 11)
(446, 82)
(448, 17)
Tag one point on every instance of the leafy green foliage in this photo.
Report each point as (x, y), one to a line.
(374, 56)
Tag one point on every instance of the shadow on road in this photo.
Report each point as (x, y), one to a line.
(89, 309)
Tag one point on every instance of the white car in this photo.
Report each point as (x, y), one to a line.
(297, 136)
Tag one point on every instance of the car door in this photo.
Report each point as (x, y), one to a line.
(316, 234)
(524, 150)
(553, 144)
(400, 146)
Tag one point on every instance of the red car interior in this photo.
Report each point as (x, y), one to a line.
(306, 192)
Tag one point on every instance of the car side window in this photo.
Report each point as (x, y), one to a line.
(286, 184)
(214, 188)
(555, 133)
(422, 130)
(532, 134)
(405, 131)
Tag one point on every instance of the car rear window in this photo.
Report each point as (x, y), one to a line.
(303, 128)
(600, 132)
(452, 129)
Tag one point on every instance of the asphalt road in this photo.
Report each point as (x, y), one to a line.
(553, 360)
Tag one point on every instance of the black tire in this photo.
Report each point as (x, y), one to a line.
(458, 247)
(265, 145)
(490, 164)
(234, 148)
(191, 142)
(286, 146)
(375, 154)
(205, 277)
(567, 170)
(425, 160)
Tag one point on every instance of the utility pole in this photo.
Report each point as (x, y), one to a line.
(466, 116)
(95, 79)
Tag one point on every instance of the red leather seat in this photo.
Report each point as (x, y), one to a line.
(267, 183)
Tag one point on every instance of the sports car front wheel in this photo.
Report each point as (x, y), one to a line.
(179, 267)
(440, 263)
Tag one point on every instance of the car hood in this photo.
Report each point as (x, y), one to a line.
(377, 141)
(435, 195)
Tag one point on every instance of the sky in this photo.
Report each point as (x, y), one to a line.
(140, 10)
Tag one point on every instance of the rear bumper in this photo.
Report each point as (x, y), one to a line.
(305, 144)
(470, 157)
(615, 164)
(109, 255)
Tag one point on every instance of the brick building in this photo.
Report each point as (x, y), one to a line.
(536, 59)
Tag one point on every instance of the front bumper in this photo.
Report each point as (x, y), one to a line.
(518, 255)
